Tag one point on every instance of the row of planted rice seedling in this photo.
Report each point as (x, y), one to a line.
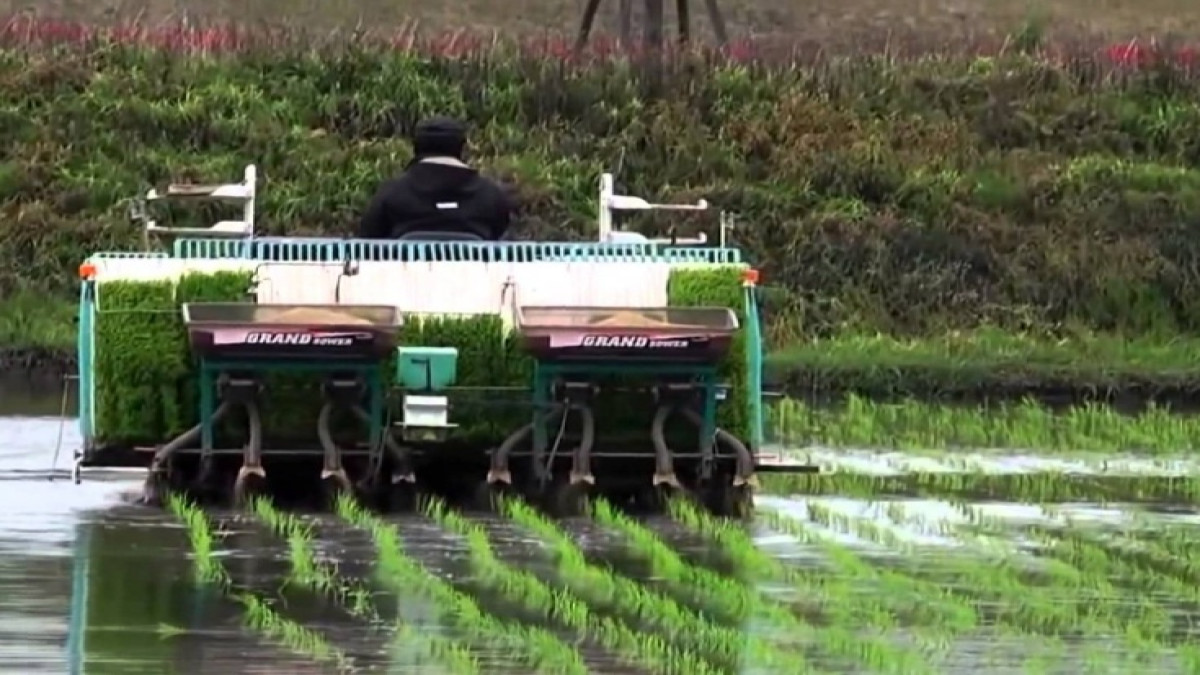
(356, 598)
(995, 585)
(865, 596)
(259, 615)
(1030, 488)
(919, 425)
(1129, 590)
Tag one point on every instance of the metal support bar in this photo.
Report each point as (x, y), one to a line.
(754, 365)
(684, 18)
(543, 384)
(708, 427)
(585, 26)
(210, 370)
(547, 374)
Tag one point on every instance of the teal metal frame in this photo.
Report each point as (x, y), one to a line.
(298, 249)
(754, 366)
(84, 356)
(210, 370)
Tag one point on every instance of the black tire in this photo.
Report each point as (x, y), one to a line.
(402, 497)
(569, 501)
(727, 501)
(204, 488)
(155, 489)
(654, 500)
(488, 495)
(333, 487)
(247, 488)
(372, 492)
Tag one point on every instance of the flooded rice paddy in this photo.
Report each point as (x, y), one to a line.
(862, 575)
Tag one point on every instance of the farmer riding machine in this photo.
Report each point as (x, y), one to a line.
(234, 364)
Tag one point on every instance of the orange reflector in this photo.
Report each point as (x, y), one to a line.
(750, 276)
(87, 271)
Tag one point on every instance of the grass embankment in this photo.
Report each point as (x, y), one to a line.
(1029, 189)
(832, 23)
(890, 197)
(36, 332)
(983, 364)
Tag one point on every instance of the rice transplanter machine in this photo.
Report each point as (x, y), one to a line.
(622, 397)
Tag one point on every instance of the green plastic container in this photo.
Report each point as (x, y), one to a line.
(426, 368)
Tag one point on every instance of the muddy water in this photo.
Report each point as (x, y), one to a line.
(91, 584)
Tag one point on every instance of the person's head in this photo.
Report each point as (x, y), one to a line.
(439, 137)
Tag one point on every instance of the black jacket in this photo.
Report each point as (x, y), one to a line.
(438, 194)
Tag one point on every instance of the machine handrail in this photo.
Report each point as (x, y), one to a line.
(318, 249)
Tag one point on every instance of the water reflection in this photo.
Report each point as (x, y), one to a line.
(136, 607)
(35, 393)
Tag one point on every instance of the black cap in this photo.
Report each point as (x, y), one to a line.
(439, 136)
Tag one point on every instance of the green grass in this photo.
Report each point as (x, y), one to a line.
(30, 320)
(1027, 425)
(983, 360)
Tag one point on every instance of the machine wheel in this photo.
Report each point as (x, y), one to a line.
(487, 495)
(654, 499)
(204, 487)
(246, 487)
(401, 497)
(728, 501)
(569, 501)
(332, 487)
(155, 489)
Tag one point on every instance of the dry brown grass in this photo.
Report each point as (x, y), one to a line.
(825, 22)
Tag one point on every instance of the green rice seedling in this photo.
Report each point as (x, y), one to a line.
(845, 602)
(663, 647)
(306, 570)
(848, 608)
(536, 647)
(1100, 605)
(1170, 549)
(262, 617)
(1141, 618)
(208, 569)
(1087, 563)
(257, 614)
(915, 425)
(973, 485)
(323, 579)
(452, 655)
(989, 577)
(1002, 581)
(929, 605)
